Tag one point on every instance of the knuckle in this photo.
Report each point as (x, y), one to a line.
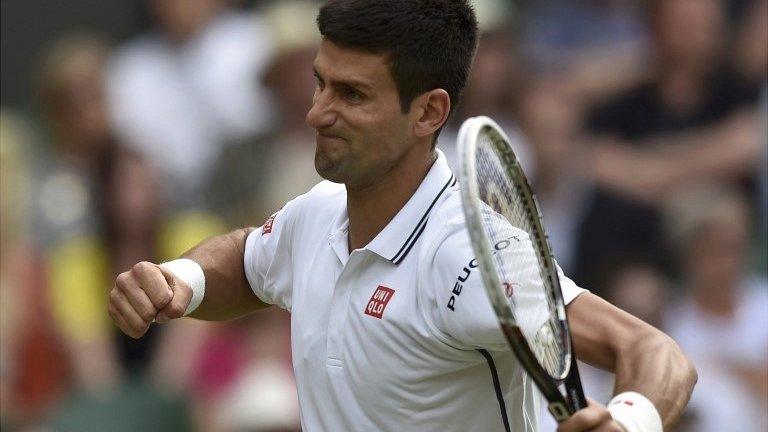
(140, 329)
(114, 296)
(147, 314)
(172, 310)
(124, 328)
(141, 267)
(176, 310)
(122, 279)
(163, 298)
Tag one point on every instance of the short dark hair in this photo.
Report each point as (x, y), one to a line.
(430, 43)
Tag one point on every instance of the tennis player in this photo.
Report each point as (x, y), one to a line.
(391, 329)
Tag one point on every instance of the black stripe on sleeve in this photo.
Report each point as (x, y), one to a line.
(497, 387)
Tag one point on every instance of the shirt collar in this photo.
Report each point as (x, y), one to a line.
(396, 240)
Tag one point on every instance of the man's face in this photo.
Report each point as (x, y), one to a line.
(361, 133)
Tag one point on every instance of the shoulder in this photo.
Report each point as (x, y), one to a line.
(322, 201)
(446, 228)
(448, 238)
(450, 211)
(447, 250)
(324, 194)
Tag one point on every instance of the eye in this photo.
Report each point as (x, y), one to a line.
(352, 95)
(319, 80)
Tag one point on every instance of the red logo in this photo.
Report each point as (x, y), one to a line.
(378, 301)
(509, 289)
(267, 228)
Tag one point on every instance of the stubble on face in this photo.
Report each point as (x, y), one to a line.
(357, 141)
(331, 167)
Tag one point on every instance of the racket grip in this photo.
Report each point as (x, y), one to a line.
(573, 388)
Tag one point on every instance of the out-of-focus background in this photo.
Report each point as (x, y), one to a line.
(130, 130)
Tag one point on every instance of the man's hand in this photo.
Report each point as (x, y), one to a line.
(593, 418)
(144, 294)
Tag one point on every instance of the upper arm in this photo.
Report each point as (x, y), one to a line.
(457, 305)
(600, 330)
(463, 310)
(267, 259)
(227, 293)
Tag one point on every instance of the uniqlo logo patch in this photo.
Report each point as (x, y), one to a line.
(267, 228)
(378, 301)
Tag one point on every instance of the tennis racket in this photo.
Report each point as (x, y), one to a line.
(522, 282)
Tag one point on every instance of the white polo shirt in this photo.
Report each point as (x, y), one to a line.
(396, 336)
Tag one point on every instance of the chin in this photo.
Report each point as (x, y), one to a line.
(328, 170)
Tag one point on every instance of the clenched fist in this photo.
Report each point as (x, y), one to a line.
(146, 293)
(594, 418)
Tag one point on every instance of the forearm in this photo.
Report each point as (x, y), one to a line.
(643, 358)
(227, 292)
(655, 367)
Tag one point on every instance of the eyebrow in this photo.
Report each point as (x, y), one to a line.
(348, 82)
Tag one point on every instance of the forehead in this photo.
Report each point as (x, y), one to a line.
(337, 63)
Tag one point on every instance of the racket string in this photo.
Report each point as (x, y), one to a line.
(510, 227)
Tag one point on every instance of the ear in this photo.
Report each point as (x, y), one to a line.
(432, 109)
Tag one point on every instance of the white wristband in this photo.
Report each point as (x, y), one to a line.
(192, 274)
(635, 413)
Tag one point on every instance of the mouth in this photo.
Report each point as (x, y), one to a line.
(325, 139)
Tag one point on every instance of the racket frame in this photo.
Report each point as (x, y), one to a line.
(559, 406)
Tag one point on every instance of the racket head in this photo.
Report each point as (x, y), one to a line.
(495, 192)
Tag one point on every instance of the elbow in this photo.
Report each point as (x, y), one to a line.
(686, 376)
(691, 373)
(681, 369)
(686, 368)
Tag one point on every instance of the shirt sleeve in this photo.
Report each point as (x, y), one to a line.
(461, 308)
(267, 259)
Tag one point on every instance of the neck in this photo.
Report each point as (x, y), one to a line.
(372, 207)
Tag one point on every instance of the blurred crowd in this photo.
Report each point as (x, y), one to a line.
(641, 124)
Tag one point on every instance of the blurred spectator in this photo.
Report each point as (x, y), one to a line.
(761, 239)
(70, 92)
(244, 379)
(692, 120)
(178, 92)
(32, 373)
(101, 212)
(256, 176)
(493, 82)
(241, 379)
(495, 74)
(722, 321)
(551, 120)
(750, 55)
(597, 47)
(640, 289)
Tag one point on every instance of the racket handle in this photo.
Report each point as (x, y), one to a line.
(573, 388)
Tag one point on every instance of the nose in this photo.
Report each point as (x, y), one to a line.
(321, 114)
